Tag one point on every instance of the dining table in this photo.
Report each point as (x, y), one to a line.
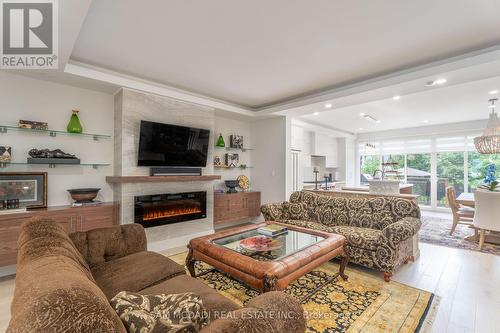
(466, 199)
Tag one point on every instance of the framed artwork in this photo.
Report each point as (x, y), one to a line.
(232, 160)
(30, 188)
(5, 153)
(236, 141)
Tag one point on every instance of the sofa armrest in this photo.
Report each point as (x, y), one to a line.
(273, 311)
(105, 244)
(273, 211)
(401, 230)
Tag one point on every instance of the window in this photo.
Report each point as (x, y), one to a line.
(369, 164)
(418, 173)
(450, 172)
(477, 164)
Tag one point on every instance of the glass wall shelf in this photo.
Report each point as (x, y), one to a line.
(231, 168)
(53, 165)
(52, 133)
(232, 148)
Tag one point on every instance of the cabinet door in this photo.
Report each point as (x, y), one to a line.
(253, 204)
(222, 205)
(66, 218)
(96, 217)
(297, 138)
(10, 228)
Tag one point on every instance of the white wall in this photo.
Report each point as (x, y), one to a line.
(270, 157)
(30, 99)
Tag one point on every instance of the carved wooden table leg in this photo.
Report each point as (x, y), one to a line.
(343, 263)
(190, 262)
(270, 283)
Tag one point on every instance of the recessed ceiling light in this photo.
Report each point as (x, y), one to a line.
(370, 118)
(494, 92)
(396, 98)
(378, 121)
(436, 82)
(328, 105)
(425, 121)
(361, 128)
(362, 114)
(315, 113)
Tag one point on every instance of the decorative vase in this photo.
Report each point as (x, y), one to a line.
(74, 125)
(220, 141)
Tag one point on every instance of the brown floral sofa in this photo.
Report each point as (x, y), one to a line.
(379, 230)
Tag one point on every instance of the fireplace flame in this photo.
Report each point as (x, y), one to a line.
(153, 214)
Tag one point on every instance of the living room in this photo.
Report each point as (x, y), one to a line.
(203, 161)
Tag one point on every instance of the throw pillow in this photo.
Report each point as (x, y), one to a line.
(296, 211)
(175, 313)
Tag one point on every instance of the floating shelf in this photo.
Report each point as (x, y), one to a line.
(231, 148)
(53, 165)
(156, 179)
(51, 132)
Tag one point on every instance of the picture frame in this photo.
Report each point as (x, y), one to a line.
(5, 154)
(236, 141)
(30, 188)
(232, 160)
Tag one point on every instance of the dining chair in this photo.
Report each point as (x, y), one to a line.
(487, 216)
(461, 214)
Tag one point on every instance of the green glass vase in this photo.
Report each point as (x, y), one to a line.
(220, 141)
(74, 125)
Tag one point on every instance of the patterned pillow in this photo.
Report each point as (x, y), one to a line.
(296, 211)
(174, 313)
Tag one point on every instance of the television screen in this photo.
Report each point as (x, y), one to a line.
(171, 145)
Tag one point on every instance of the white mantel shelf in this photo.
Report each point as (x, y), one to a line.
(158, 179)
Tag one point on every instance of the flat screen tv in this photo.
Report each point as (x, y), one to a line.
(171, 145)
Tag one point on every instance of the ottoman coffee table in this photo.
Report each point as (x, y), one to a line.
(300, 251)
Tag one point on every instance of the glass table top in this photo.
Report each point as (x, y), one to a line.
(286, 244)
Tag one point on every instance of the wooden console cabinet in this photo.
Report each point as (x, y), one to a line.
(230, 207)
(71, 218)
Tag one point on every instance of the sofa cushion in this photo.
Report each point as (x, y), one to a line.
(369, 239)
(213, 302)
(166, 313)
(106, 244)
(134, 272)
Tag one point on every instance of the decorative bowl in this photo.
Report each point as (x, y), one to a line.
(260, 243)
(83, 194)
(231, 184)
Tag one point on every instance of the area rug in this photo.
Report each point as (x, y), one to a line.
(364, 303)
(436, 230)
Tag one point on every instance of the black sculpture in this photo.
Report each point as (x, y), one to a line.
(46, 153)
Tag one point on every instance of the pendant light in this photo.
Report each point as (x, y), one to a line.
(489, 142)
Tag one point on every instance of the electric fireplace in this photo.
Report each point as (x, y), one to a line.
(159, 209)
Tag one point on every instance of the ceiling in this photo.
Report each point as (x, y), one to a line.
(258, 53)
(447, 104)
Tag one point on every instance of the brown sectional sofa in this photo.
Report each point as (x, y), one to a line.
(379, 231)
(64, 283)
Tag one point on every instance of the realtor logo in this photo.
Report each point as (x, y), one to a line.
(29, 34)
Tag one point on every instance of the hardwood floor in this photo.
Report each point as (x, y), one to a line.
(467, 283)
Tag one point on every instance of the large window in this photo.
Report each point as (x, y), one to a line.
(418, 173)
(450, 172)
(431, 164)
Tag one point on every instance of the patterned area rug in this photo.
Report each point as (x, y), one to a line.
(436, 230)
(362, 304)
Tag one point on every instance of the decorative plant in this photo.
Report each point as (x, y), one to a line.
(492, 186)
